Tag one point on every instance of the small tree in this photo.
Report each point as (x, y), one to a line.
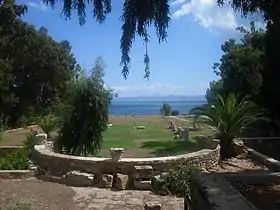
(81, 131)
(229, 115)
(165, 110)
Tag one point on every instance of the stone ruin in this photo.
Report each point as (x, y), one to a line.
(178, 132)
(142, 179)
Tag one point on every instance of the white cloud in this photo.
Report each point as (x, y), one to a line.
(207, 13)
(40, 6)
(161, 89)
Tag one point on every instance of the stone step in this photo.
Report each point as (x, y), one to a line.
(142, 185)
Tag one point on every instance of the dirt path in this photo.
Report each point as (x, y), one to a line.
(179, 118)
(26, 194)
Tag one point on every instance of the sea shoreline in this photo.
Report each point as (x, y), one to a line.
(156, 115)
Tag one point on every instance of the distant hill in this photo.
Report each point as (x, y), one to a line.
(163, 98)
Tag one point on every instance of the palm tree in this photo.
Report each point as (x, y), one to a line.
(229, 115)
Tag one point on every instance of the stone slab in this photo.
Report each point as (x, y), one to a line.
(142, 185)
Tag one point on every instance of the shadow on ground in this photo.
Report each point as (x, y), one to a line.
(169, 147)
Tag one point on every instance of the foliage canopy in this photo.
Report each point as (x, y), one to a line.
(34, 68)
(87, 115)
(137, 17)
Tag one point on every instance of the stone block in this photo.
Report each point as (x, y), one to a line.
(106, 181)
(140, 127)
(78, 179)
(180, 131)
(116, 153)
(143, 172)
(156, 182)
(186, 134)
(120, 182)
(152, 206)
(142, 185)
(41, 137)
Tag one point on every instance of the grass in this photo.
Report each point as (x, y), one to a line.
(153, 141)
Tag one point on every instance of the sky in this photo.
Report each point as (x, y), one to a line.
(180, 66)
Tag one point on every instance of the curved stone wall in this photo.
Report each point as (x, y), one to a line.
(59, 164)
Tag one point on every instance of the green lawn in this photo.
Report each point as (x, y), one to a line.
(153, 141)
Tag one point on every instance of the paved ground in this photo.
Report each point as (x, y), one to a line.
(38, 195)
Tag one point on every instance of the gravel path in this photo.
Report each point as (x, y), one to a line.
(26, 194)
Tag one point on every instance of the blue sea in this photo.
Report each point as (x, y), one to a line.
(127, 107)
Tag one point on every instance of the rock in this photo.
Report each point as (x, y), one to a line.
(142, 185)
(116, 153)
(78, 179)
(143, 172)
(49, 145)
(120, 182)
(106, 181)
(152, 205)
(41, 137)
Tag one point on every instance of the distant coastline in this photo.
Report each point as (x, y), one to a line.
(168, 98)
(150, 107)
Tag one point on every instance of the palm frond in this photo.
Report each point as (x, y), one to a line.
(229, 114)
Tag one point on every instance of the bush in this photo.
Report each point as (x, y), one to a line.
(48, 123)
(174, 113)
(17, 160)
(177, 181)
(31, 140)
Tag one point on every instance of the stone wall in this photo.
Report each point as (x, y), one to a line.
(271, 163)
(206, 142)
(59, 164)
(21, 129)
(213, 191)
(5, 150)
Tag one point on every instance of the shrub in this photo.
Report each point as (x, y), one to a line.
(17, 160)
(174, 113)
(48, 123)
(177, 181)
(31, 140)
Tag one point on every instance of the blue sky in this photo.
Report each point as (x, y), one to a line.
(181, 66)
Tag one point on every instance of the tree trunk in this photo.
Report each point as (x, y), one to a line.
(81, 139)
(226, 147)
